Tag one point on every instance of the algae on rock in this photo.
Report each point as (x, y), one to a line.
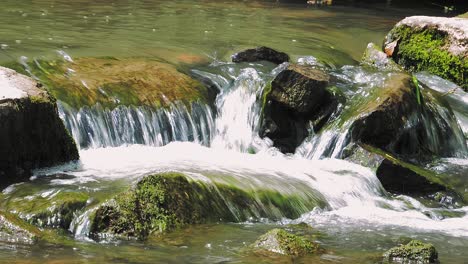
(415, 252)
(281, 242)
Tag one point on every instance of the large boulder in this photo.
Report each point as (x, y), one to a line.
(404, 119)
(298, 95)
(168, 201)
(434, 44)
(31, 133)
(260, 54)
(415, 252)
(281, 242)
(113, 82)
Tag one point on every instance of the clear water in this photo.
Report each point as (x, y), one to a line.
(359, 220)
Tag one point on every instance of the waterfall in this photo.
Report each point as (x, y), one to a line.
(95, 126)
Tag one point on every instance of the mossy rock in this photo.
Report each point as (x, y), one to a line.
(111, 82)
(415, 252)
(279, 241)
(55, 211)
(168, 201)
(433, 44)
(15, 230)
(463, 15)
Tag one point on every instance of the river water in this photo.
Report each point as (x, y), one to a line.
(358, 219)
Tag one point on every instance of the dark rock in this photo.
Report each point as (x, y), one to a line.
(374, 57)
(168, 201)
(281, 242)
(415, 252)
(434, 44)
(260, 54)
(296, 96)
(31, 133)
(408, 121)
(400, 180)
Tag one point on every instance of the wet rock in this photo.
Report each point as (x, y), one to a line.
(14, 230)
(54, 210)
(298, 95)
(281, 242)
(168, 201)
(363, 157)
(406, 120)
(374, 57)
(113, 82)
(31, 133)
(434, 44)
(415, 252)
(398, 179)
(260, 54)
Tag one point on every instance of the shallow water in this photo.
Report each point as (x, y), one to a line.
(357, 221)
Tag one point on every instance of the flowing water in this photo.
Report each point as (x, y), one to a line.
(355, 217)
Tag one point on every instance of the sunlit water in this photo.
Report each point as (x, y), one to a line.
(358, 218)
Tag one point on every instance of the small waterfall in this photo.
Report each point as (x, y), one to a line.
(95, 126)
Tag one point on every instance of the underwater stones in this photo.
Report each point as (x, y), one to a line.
(281, 242)
(400, 180)
(374, 57)
(260, 54)
(14, 230)
(55, 211)
(434, 44)
(31, 133)
(296, 96)
(167, 201)
(415, 252)
(112, 82)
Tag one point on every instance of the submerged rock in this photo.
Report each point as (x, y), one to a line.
(260, 54)
(415, 252)
(55, 210)
(298, 95)
(31, 133)
(111, 82)
(404, 119)
(374, 57)
(434, 44)
(14, 230)
(168, 201)
(281, 242)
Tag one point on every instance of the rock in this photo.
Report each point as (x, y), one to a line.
(112, 82)
(281, 242)
(374, 57)
(54, 210)
(434, 44)
(31, 133)
(297, 96)
(14, 230)
(415, 252)
(168, 201)
(260, 54)
(406, 120)
(464, 15)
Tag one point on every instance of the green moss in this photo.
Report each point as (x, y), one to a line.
(413, 252)
(423, 50)
(282, 242)
(168, 201)
(56, 211)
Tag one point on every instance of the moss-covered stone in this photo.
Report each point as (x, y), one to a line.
(415, 252)
(433, 44)
(31, 133)
(56, 211)
(281, 242)
(110, 82)
(164, 202)
(14, 230)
